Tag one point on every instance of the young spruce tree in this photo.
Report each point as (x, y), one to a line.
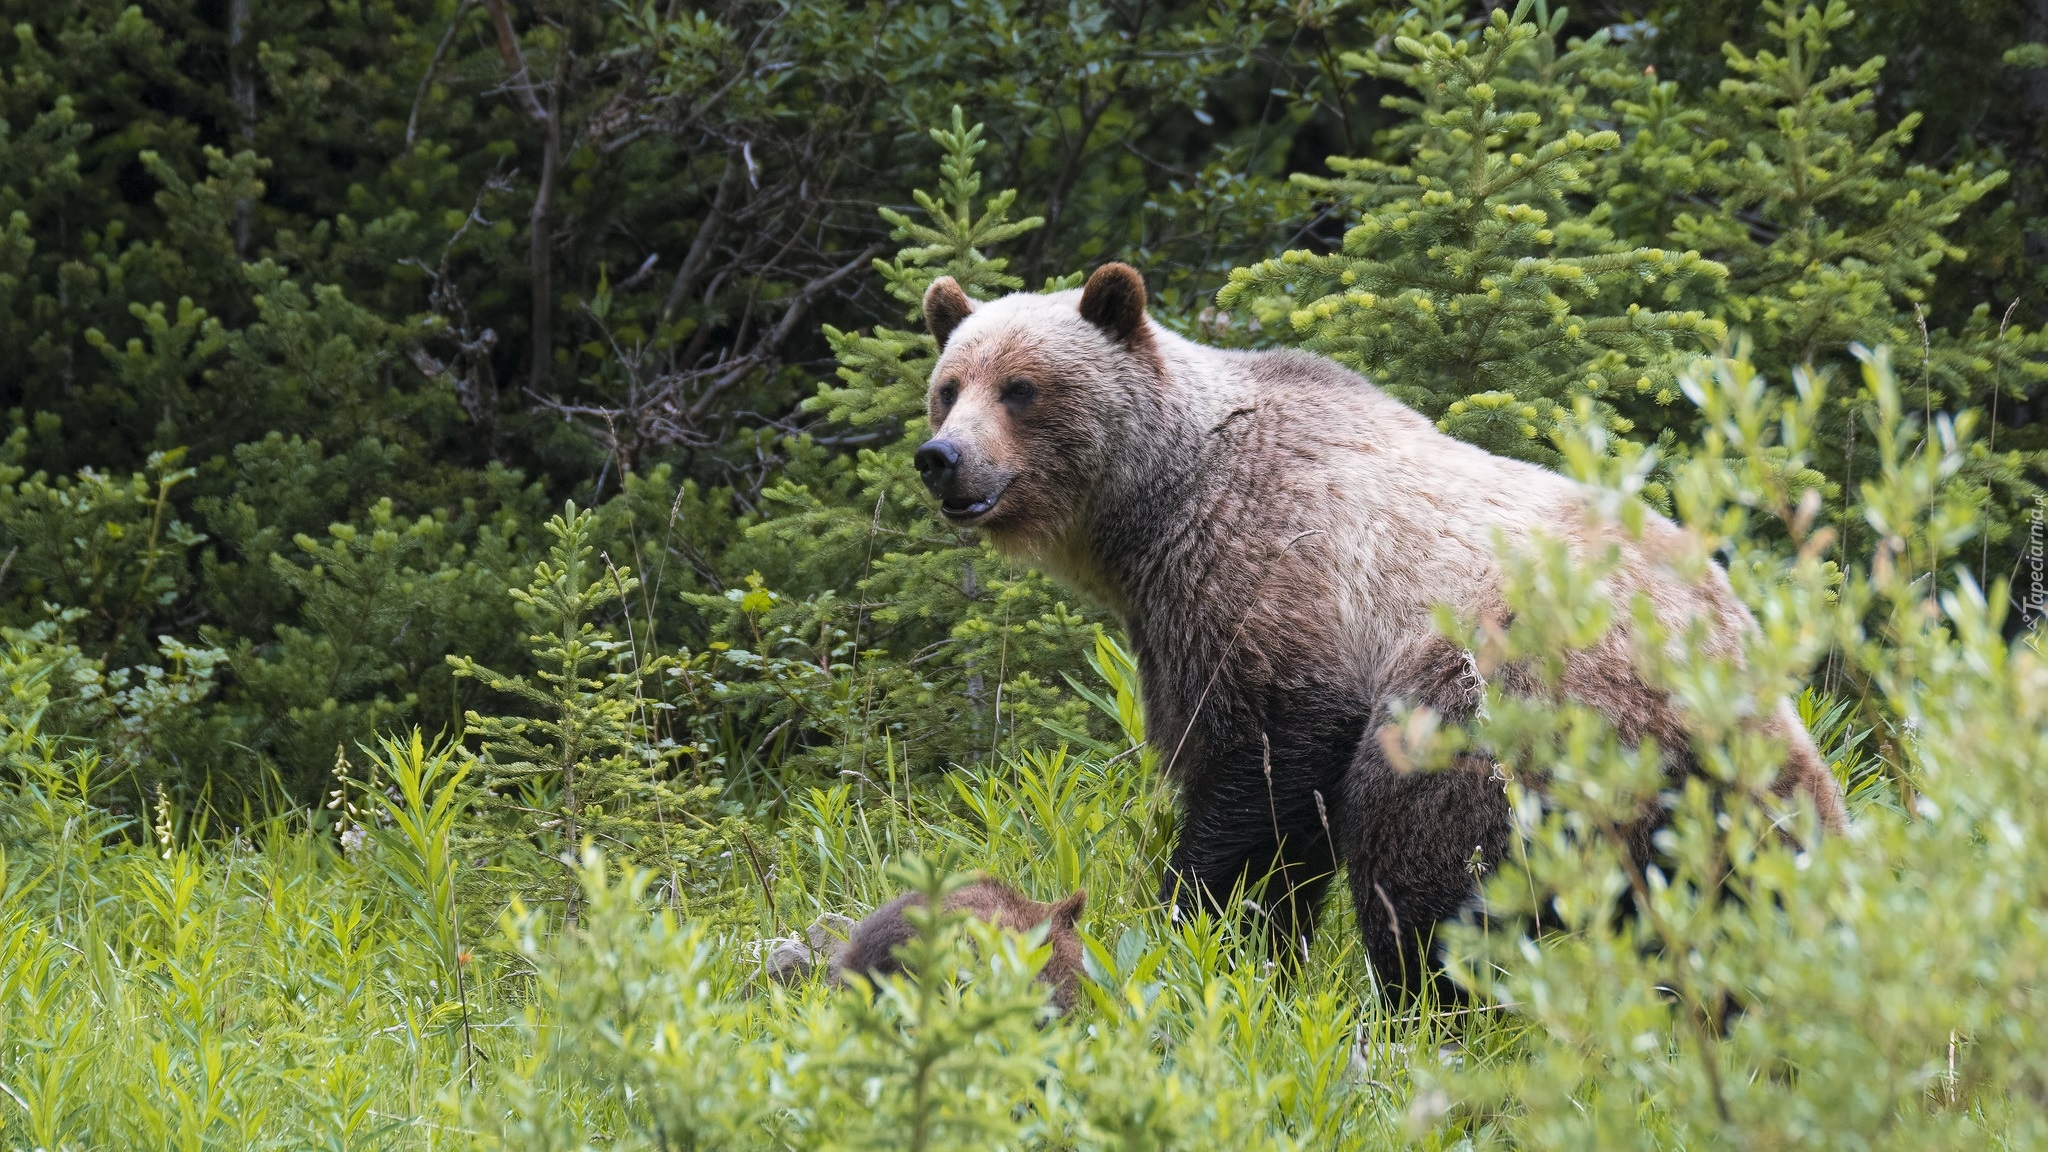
(585, 763)
(935, 630)
(1831, 241)
(1483, 284)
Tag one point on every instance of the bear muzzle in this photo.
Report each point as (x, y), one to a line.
(939, 464)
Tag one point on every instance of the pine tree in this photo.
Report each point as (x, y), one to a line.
(1552, 224)
(1832, 241)
(587, 761)
(1483, 283)
(942, 644)
(1828, 237)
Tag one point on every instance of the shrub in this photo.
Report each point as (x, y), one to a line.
(1774, 987)
(589, 758)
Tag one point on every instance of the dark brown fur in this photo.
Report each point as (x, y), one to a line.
(872, 946)
(945, 306)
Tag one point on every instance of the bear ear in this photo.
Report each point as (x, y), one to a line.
(1067, 913)
(945, 306)
(1114, 301)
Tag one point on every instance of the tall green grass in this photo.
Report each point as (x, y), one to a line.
(272, 989)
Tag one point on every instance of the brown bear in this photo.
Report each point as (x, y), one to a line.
(1274, 533)
(871, 946)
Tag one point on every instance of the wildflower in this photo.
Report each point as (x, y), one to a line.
(162, 825)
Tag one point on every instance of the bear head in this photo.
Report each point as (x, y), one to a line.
(872, 947)
(1030, 398)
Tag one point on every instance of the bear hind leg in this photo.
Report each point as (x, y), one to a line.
(1422, 844)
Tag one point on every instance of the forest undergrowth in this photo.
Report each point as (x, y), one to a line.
(392, 974)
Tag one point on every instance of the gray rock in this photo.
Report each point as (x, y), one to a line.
(828, 935)
(787, 960)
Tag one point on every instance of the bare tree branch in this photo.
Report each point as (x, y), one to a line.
(412, 122)
(515, 62)
(672, 407)
(707, 235)
(541, 238)
(812, 291)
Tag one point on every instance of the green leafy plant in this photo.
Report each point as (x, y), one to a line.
(1775, 986)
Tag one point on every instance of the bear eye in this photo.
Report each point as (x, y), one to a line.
(1019, 391)
(948, 392)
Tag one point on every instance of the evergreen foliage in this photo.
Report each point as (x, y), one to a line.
(1472, 287)
(474, 258)
(585, 762)
(945, 649)
(1828, 237)
(1832, 241)
(395, 220)
(333, 315)
(1515, 255)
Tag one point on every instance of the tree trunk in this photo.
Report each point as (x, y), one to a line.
(541, 250)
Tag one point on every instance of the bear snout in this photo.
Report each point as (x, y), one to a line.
(938, 462)
(966, 485)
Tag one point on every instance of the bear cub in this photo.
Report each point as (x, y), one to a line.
(871, 946)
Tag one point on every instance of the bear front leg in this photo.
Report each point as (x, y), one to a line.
(1240, 846)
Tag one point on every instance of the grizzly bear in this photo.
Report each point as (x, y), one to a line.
(1274, 534)
(871, 946)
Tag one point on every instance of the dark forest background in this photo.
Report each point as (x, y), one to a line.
(312, 313)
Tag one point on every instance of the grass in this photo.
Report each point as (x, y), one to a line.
(365, 983)
(370, 977)
(273, 989)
